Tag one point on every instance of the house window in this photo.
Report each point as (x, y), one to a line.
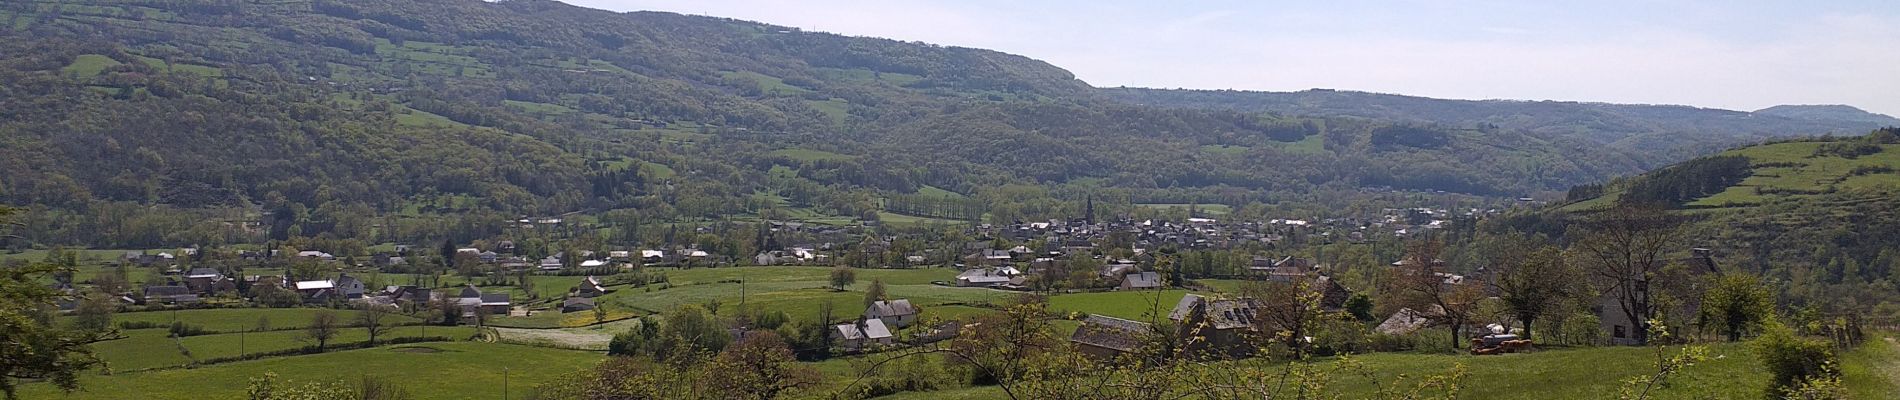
(1620, 332)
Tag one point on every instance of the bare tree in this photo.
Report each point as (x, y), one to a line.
(1288, 311)
(1528, 274)
(1425, 282)
(323, 327)
(372, 320)
(1624, 248)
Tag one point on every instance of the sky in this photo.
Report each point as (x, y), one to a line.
(1741, 55)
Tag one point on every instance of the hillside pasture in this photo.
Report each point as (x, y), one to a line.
(457, 370)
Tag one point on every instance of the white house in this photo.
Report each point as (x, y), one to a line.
(898, 313)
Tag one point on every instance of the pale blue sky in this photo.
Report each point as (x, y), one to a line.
(1741, 55)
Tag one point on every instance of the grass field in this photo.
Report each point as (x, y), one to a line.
(458, 370)
(1732, 372)
(88, 65)
(836, 109)
(1223, 149)
(800, 154)
(1782, 171)
(1807, 174)
(1132, 305)
(912, 220)
(770, 85)
(244, 319)
(1210, 209)
(933, 191)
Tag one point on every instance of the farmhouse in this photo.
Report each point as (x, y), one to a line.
(898, 313)
(209, 281)
(1140, 281)
(169, 294)
(589, 288)
(982, 277)
(573, 304)
(473, 300)
(349, 287)
(1222, 325)
(1610, 309)
(1106, 337)
(864, 334)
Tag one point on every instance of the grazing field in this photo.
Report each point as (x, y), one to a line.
(933, 191)
(801, 154)
(895, 219)
(140, 349)
(88, 65)
(1224, 149)
(766, 83)
(245, 319)
(1794, 168)
(457, 370)
(1210, 209)
(1788, 170)
(1732, 372)
(1137, 305)
(836, 109)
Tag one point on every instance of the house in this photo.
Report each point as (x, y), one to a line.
(1612, 319)
(589, 288)
(472, 300)
(620, 255)
(317, 255)
(652, 256)
(573, 304)
(867, 333)
(1223, 326)
(593, 264)
(765, 258)
(1114, 272)
(988, 257)
(1141, 281)
(982, 277)
(208, 281)
(895, 313)
(1106, 337)
(1286, 269)
(169, 294)
(552, 263)
(1406, 321)
(308, 288)
(488, 257)
(349, 287)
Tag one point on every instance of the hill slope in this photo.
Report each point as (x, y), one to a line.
(314, 110)
(1766, 173)
(1680, 131)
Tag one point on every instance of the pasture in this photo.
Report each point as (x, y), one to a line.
(451, 370)
(1138, 305)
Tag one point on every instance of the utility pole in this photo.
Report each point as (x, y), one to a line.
(504, 383)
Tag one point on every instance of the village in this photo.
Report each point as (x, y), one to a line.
(496, 285)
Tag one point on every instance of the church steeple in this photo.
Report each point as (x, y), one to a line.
(1089, 213)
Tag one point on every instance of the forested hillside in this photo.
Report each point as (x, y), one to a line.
(1662, 133)
(1818, 217)
(326, 114)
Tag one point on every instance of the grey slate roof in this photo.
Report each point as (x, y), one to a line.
(1110, 332)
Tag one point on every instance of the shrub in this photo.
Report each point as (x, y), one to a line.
(181, 329)
(130, 325)
(1793, 361)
